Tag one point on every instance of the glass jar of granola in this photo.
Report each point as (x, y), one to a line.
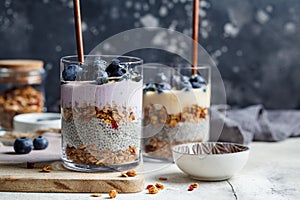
(21, 89)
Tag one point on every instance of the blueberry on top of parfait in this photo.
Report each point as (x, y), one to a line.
(115, 69)
(149, 87)
(163, 86)
(197, 81)
(102, 77)
(156, 87)
(70, 72)
(119, 72)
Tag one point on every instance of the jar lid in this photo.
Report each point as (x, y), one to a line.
(22, 65)
(20, 71)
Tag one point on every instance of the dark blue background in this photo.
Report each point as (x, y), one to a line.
(255, 43)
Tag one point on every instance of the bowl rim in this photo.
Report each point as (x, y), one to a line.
(247, 148)
(30, 118)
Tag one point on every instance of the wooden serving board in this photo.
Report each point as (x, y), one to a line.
(18, 178)
(15, 176)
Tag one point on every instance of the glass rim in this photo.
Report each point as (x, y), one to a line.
(66, 59)
(199, 66)
(155, 65)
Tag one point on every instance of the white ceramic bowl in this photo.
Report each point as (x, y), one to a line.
(33, 121)
(210, 161)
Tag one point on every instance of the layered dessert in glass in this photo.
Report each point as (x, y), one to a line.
(101, 105)
(176, 109)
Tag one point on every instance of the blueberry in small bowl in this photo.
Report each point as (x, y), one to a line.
(23, 145)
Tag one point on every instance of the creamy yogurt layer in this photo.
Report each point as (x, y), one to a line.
(175, 101)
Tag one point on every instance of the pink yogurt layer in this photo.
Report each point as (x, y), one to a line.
(124, 93)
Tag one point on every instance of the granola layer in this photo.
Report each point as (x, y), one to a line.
(191, 125)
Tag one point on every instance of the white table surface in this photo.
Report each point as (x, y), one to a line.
(272, 172)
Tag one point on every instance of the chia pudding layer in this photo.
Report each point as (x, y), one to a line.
(175, 117)
(101, 124)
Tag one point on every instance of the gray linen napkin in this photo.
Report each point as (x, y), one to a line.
(254, 123)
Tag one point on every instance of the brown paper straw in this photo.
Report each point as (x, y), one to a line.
(195, 35)
(78, 31)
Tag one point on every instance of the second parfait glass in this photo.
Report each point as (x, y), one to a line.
(176, 104)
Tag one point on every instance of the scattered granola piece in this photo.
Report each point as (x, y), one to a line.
(191, 188)
(149, 186)
(159, 186)
(132, 117)
(131, 173)
(162, 178)
(132, 150)
(96, 195)
(46, 169)
(10, 179)
(153, 190)
(124, 174)
(113, 194)
(195, 185)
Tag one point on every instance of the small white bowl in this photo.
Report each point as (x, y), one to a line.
(210, 161)
(34, 121)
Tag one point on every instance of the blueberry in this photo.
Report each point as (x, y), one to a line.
(40, 143)
(197, 81)
(164, 86)
(23, 145)
(113, 67)
(101, 80)
(118, 72)
(102, 77)
(196, 85)
(159, 90)
(70, 71)
(150, 87)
